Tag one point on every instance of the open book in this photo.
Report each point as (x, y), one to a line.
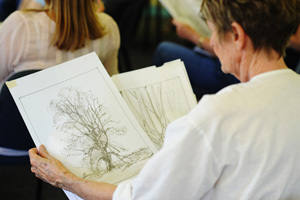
(102, 128)
(187, 11)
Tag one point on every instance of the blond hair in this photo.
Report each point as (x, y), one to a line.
(76, 23)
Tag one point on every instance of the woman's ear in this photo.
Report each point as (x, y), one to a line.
(239, 35)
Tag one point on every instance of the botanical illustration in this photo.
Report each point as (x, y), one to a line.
(92, 134)
(156, 105)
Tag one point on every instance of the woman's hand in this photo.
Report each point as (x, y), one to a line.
(186, 32)
(295, 40)
(52, 171)
(48, 168)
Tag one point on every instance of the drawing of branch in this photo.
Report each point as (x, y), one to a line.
(148, 113)
(91, 133)
(155, 106)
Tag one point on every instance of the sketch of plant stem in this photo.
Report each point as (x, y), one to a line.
(155, 107)
(91, 133)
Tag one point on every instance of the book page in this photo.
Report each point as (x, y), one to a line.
(187, 11)
(77, 112)
(157, 96)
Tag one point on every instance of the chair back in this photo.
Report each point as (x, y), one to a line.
(14, 133)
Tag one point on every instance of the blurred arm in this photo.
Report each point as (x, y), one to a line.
(295, 40)
(186, 32)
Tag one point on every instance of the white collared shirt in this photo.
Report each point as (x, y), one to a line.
(242, 143)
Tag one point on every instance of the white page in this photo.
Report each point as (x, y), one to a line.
(187, 11)
(157, 96)
(81, 88)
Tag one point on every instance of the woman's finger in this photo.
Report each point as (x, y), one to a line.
(43, 152)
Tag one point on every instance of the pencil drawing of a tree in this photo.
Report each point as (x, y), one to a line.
(92, 133)
(155, 106)
(149, 112)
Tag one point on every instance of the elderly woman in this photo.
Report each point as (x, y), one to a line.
(241, 143)
(63, 30)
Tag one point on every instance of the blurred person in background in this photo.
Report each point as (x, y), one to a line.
(61, 31)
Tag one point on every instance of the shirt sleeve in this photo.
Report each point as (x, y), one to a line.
(13, 36)
(123, 191)
(185, 168)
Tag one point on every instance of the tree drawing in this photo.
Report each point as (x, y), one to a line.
(92, 134)
(155, 106)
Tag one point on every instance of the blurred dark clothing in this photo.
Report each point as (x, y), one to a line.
(7, 7)
(292, 58)
(127, 14)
